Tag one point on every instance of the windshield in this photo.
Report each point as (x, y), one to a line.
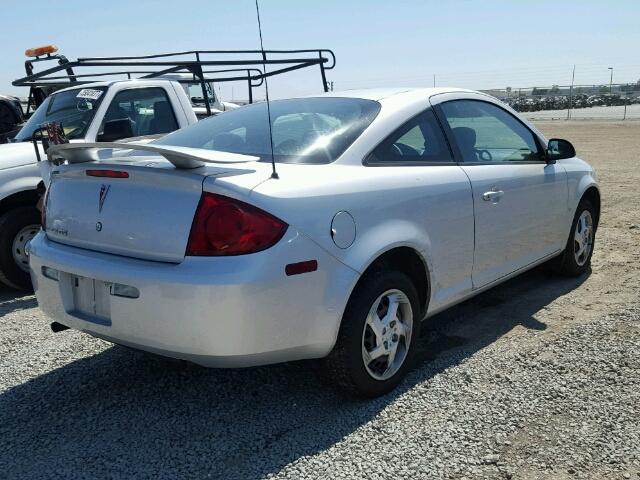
(74, 109)
(305, 130)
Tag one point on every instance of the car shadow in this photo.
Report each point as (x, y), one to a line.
(12, 300)
(490, 315)
(123, 413)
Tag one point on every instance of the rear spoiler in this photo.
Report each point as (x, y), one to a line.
(180, 157)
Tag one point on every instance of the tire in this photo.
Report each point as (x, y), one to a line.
(346, 365)
(570, 263)
(12, 224)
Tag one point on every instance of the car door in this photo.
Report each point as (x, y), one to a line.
(520, 200)
(423, 187)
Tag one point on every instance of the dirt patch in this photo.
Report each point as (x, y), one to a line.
(613, 149)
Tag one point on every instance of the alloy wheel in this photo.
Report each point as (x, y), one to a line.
(387, 334)
(583, 238)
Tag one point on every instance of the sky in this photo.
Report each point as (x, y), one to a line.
(471, 44)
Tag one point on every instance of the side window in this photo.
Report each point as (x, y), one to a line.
(194, 90)
(147, 109)
(486, 133)
(420, 140)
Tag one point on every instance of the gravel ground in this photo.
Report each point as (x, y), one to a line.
(537, 378)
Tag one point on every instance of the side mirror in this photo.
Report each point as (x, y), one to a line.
(557, 149)
(116, 130)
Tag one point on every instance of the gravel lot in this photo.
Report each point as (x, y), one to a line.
(538, 378)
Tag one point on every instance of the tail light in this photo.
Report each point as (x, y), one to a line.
(44, 198)
(225, 226)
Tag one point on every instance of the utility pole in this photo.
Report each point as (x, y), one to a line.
(611, 81)
(573, 78)
(434, 80)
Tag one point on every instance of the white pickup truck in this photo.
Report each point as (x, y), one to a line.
(101, 111)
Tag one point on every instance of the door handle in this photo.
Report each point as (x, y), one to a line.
(492, 195)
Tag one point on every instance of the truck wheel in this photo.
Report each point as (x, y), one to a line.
(17, 228)
(377, 337)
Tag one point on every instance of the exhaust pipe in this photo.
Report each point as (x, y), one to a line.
(58, 327)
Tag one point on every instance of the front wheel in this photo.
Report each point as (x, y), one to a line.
(377, 338)
(17, 228)
(576, 258)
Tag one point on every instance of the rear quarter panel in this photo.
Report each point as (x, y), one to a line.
(427, 208)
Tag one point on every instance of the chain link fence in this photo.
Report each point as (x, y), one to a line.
(611, 102)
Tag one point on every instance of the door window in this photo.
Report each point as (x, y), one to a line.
(486, 133)
(419, 141)
(148, 110)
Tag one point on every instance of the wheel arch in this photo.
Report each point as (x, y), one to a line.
(21, 198)
(405, 259)
(593, 195)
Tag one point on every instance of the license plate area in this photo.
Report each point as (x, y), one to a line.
(90, 299)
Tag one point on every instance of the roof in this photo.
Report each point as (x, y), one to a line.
(88, 85)
(111, 82)
(382, 93)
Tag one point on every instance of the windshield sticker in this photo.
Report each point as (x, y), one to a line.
(89, 93)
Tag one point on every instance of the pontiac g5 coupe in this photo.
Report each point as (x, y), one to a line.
(388, 206)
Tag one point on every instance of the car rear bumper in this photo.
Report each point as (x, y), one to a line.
(215, 311)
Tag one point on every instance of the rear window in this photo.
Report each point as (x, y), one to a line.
(305, 130)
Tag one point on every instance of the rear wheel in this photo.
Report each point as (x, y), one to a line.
(377, 337)
(17, 228)
(576, 258)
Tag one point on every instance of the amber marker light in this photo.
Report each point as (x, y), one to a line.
(39, 51)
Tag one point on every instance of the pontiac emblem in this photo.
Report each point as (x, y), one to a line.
(104, 191)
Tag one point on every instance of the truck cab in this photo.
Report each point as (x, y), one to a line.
(95, 112)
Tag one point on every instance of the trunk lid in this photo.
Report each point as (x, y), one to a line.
(147, 215)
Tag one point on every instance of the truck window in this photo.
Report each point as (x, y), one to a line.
(194, 90)
(148, 110)
(74, 109)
